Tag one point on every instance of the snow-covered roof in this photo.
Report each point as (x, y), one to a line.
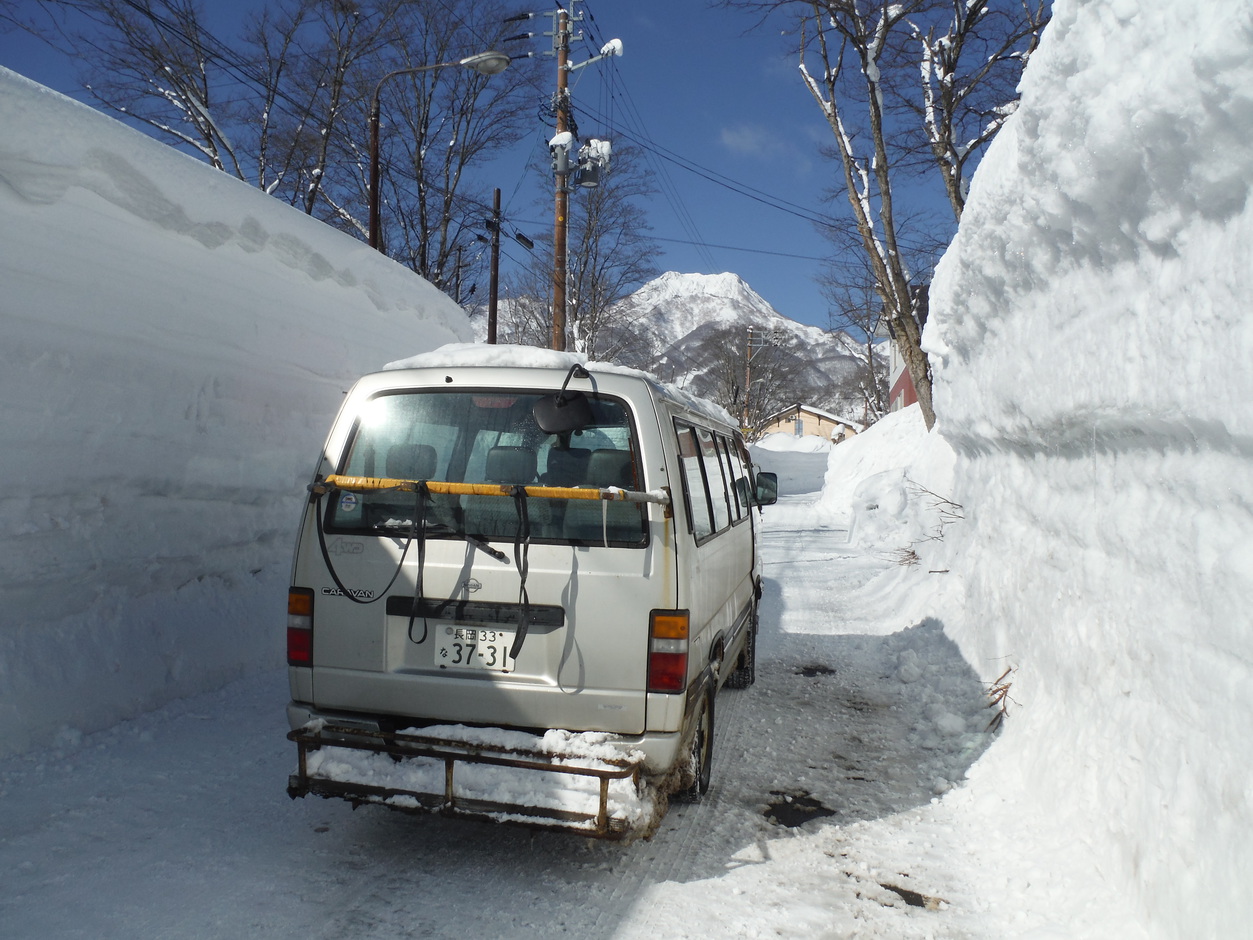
(817, 412)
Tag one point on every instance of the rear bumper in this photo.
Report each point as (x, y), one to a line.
(573, 784)
(655, 751)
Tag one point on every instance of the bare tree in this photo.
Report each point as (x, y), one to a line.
(849, 34)
(611, 254)
(859, 59)
(719, 368)
(286, 107)
(525, 315)
(856, 315)
(309, 59)
(151, 60)
(970, 68)
(440, 122)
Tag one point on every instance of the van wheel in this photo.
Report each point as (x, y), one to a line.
(701, 757)
(745, 672)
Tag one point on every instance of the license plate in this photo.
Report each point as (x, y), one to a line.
(460, 647)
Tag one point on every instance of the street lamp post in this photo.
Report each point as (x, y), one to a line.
(485, 63)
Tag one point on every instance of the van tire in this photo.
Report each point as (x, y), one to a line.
(701, 756)
(745, 672)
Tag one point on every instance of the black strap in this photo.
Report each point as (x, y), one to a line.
(421, 498)
(417, 532)
(521, 545)
(326, 555)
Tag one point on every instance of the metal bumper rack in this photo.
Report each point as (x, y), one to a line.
(401, 746)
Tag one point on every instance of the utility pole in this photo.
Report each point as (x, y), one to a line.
(756, 344)
(494, 283)
(561, 44)
(563, 150)
(748, 378)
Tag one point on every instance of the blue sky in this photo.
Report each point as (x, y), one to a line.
(697, 83)
(700, 88)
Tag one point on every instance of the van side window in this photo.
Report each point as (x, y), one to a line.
(716, 479)
(734, 474)
(700, 515)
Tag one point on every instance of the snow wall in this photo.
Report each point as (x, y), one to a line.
(1092, 344)
(173, 347)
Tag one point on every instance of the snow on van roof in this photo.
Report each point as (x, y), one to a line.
(472, 355)
(481, 354)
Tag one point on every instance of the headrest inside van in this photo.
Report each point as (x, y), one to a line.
(410, 462)
(510, 465)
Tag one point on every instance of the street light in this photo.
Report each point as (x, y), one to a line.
(485, 63)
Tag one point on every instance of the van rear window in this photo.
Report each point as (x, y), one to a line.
(490, 436)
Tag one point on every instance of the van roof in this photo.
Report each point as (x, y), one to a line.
(481, 355)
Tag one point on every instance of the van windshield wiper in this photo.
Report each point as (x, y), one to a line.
(483, 546)
(443, 528)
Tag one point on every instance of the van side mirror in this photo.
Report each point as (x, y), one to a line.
(767, 488)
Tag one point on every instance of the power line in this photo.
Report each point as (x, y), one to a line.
(668, 189)
(683, 241)
(251, 75)
(755, 251)
(719, 179)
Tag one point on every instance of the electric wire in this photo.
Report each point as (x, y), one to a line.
(615, 94)
(668, 189)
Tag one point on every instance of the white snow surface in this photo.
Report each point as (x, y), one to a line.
(175, 344)
(1092, 342)
(838, 808)
(804, 444)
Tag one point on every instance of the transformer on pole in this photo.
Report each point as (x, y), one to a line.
(586, 168)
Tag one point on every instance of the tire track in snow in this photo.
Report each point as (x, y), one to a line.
(682, 841)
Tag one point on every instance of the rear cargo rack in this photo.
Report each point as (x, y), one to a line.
(334, 777)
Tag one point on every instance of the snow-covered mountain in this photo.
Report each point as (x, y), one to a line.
(677, 304)
(692, 330)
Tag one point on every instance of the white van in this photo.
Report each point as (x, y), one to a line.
(517, 590)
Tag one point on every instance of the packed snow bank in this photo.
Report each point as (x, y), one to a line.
(1091, 341)
(891, 484)
(799, 462)
(887, 490)
(789, 443)
(175, 344)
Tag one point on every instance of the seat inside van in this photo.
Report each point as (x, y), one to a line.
(401, 462)
(566, 466)
(596, 521)
(497, 516)
(410, 462)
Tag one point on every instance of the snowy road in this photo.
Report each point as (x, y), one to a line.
(177, 825)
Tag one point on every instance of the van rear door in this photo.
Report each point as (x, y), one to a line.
(530, 612)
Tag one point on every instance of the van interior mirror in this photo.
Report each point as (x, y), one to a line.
(767, 488)
(565, 411)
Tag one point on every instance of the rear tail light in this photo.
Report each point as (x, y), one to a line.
(667, 650)
(300, 627)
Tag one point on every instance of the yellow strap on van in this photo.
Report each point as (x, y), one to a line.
(613, 493)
